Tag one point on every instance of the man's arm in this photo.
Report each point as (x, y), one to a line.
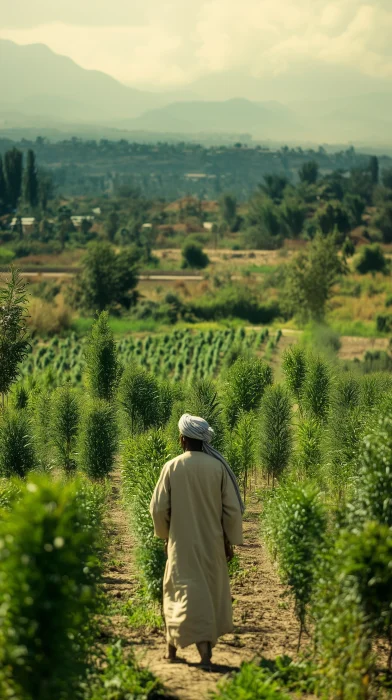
(231, 512)
(160, 505)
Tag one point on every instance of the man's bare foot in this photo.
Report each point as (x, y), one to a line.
(205, 651)
(171, 654)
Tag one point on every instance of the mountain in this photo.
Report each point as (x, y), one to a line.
(261, 119)
(34, 81)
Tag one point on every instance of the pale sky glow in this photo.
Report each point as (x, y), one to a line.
(172, 43)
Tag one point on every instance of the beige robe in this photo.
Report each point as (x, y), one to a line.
(193, 504)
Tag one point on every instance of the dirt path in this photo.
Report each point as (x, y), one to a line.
(264, 622)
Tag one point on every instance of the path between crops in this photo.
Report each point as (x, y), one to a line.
(264, 621)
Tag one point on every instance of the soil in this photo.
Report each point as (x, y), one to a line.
(264, 623)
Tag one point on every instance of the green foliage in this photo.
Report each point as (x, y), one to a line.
(121, 678)
(294, 522)
(247, 380)
(310, 277)
(249, 683)
(142, 461)
(98, 439)
(309, 453)
(140, 397)
(294, 368)
(10, 491)
(316, 395)
(64, 426)
(16, 446)
(276, 431)
(30, 181)
(193, 256)
(241, 452)
(48, 592)
(373, 499)
(309, 172)
(371, 259)
(107, 280)
(103, 369)
(14, 344)
(13, 173)
(203, 400)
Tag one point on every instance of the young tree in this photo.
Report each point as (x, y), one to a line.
(374, 169)
(98, 439)
(112, 224)
(228, 210)
(13, 172)
(309, 278)
(276, 431)
(108, 278)
(317, 389)
(247, 380)
(139, 396)
(294, 215)
(30, 182)
(16, 445)
(103, 368)
(64, 428)
(14, 343)
(294, 368)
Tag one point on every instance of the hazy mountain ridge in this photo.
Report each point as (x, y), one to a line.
(45, 90)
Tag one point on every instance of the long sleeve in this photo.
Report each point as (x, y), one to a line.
(160, 505)
(231, 512)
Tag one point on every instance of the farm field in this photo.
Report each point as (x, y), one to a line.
(304, 420)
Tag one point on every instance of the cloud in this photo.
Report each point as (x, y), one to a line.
(176, 41)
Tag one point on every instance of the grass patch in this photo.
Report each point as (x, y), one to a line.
(142, 615)
(259, 269)
(363, 329)
(119, 326)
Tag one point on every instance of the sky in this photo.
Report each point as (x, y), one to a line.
(171, 43)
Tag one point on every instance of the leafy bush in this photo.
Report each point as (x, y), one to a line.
(122, 679)
(193, 256)
(142, 462)
(276, 431)
(64, 427)
(14, 343)
(294, 368)
(98, 439)
(48, 592)
(316, 390)
(249, 683)
(241, 452)
(234, 302)
(295, 524)
(309, 453)
(139, 396)
(371, 259)
(16, 445)
(247, 380)
(103, 369)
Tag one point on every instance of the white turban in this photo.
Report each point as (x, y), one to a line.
(196, 428)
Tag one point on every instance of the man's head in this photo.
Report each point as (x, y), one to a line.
(190, 445)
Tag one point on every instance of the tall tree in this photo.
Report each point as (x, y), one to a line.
(30, 181)
(374, 169)
(13, 172)
(103, 369)
(309, 278)
(228, 210)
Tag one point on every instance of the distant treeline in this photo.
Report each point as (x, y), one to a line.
(167, 170)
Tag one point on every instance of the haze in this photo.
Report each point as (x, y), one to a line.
(159, 45)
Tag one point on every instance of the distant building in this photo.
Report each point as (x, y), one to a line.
(28, 223)
(147, 227)
(97, 211)
(208, 225)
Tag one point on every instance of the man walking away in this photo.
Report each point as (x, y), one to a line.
(197, 508)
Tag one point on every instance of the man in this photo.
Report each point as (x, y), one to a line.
(197, 507)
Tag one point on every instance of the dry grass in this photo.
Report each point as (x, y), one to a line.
(49, 319)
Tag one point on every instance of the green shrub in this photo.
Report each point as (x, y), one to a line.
(122, 679)
(241, 452)
(294, 368)
(247, 380)
(316, 390)
(64, 427)
(371, 259)
(98, 439)
(249, 683)
(16, 445)
(142, 461)
(103, 368)
(276, 431)
(309, 453)
(294, 522)
(48, 592)
(139, 396)
(41, 419)
(193, 256)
